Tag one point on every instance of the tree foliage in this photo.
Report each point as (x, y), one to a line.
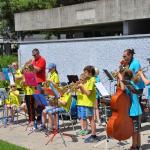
(9, 7)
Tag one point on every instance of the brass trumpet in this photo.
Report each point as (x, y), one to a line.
(123, 67)
(137, 77)
(121, 70)
(70, 88)
(28, 65)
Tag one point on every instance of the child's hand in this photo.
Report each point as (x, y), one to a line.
(80, 85)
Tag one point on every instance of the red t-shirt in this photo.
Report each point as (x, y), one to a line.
(41, 63)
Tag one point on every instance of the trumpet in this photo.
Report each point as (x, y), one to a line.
(53, 101)
(70, 88)
(121, 70)
(137, 77)
(123, 67)
(28, 65)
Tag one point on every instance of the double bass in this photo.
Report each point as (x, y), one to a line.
(120, 125)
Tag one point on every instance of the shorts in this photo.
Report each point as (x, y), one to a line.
(56, 110)
(136, 122)
(89, 112)
(48, 108)
(81, 110)
(85, 112)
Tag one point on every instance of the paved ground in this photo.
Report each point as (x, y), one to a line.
(36, 141)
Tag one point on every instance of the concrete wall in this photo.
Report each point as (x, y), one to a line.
(71, 56)
(96, 12)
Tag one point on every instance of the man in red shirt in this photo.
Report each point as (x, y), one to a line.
(39, 65)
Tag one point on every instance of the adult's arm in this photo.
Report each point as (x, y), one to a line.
(145, 80)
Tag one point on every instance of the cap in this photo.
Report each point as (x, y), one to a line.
(51, 66)
(63, 83)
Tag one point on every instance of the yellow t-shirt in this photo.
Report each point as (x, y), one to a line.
(83, 99)
(18, 81)
(67, 98)
(28, 90)
(13, 99)
(54, 77)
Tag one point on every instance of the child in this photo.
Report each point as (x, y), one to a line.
(135, 109)
(12, 103)
(81, 109)
(147, 82)
(64, 103)
(89, 96)
(29, 99)
(17, 75)
(54, 79)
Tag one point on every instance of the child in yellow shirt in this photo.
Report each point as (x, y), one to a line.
(64, 103)
(12, 103)
(18, 76)
(29, 99)
(81, 109)
(53, 78)
(89, 96)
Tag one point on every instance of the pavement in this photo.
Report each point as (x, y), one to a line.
(17, 134)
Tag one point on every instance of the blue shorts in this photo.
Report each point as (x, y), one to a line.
(56, 110)
(81, 110)
(48, 108)
(89, 112)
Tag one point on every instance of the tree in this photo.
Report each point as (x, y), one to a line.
(9, 7)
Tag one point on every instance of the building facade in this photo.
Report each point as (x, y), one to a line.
(89, 19)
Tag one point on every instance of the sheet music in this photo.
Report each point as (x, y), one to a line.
(57, 95)
(102, 89)
(30, 79)
(11, 78)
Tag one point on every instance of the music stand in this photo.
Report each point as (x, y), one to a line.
(110, 78)
(72, 78)
(103, 94)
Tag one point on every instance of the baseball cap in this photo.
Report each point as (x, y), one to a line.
(51, 66)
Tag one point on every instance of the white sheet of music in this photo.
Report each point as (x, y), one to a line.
(11, 78)
(102, 89)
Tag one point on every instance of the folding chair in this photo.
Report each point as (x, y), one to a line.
(18, 110)
(69, 113)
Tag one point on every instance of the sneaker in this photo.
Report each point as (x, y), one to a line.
(84, 132)
(42, 127)
(48, 132)
(79, 132)
(91, 139)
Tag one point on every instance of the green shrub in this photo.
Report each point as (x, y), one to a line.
(4, 62)
(4, 84)
(7, 60)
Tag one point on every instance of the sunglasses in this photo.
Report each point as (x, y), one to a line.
(13, 86)
(34, 55)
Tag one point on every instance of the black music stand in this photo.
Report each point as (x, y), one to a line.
(72, 78)
(110, 78)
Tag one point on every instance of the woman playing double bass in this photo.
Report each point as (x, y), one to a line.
(135, 109)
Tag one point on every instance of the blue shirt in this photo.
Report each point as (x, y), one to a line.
(97, 79)
(135, 108)
(148, 90)
(134, 67)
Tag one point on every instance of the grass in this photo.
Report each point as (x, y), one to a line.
(7, 146)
